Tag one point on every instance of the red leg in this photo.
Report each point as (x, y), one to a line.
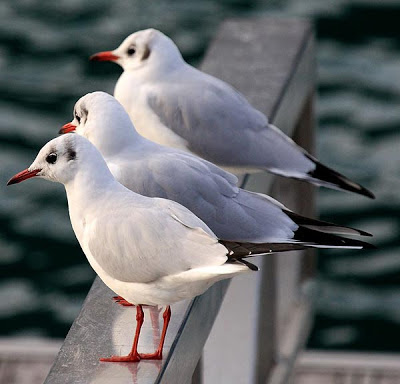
(121, 301)
(133, 354)
(157, 355)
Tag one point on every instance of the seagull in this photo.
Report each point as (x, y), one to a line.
(174, 104)
(209, 192)
(151, 251)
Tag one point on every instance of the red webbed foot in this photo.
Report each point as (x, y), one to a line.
(121, 301)
(133, 356)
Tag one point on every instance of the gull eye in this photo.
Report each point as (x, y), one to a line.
(131, 51)
(78, 119)
(51, 158)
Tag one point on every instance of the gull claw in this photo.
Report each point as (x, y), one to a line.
(121, 301)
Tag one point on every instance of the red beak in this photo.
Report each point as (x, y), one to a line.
(104, 56)
(69, 127)
(23, 175)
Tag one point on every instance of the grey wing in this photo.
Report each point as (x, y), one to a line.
(151, 242)
(211, 194)
(222, 127)
(195, 183)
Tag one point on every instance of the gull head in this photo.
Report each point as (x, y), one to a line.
(101, 119)
(148, 48)
(58, 160)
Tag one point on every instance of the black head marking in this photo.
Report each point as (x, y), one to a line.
(146, 53)
(85, 111)
(71, 153)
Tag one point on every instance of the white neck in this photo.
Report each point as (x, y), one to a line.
(92, 182)
(118, 132)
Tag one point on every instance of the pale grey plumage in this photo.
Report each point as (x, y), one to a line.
(143, 239)
(174, 104)
(208, 191)
(148, 250)
(221, 126)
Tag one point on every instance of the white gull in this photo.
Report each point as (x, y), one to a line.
(148, 250)
(175, 104)
(208, 191)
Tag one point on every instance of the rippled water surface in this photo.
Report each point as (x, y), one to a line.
(44, 69)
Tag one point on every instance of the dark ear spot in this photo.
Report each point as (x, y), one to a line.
(85, 111)
(146, 53)
(71, 154)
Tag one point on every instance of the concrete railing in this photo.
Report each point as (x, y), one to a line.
(265, 317)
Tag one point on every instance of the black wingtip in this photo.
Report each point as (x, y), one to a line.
(311, 236)
(239, 250)
(366, 192)
(328, 175)
(319, 225)
(364, 233)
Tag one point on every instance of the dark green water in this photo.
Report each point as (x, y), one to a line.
(44, 69)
